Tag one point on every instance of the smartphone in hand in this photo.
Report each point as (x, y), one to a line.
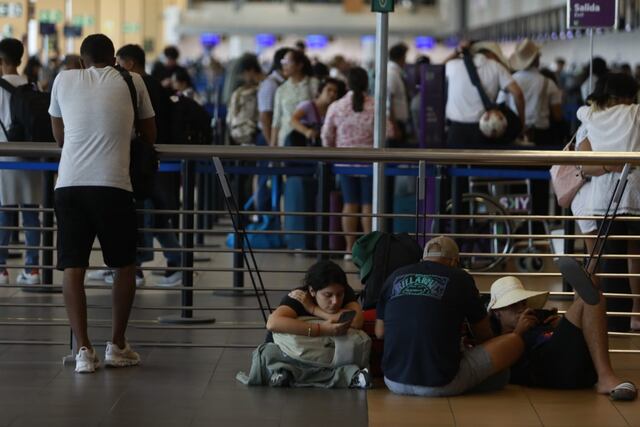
(347, 316)
(542, 314)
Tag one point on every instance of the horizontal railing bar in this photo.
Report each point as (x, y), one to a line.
(430, 156)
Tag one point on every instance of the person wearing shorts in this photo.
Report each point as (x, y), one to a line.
(349, 124)
(420, 315)
(561, 352)
(93, 120)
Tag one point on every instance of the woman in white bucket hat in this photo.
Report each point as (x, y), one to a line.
(564, 352)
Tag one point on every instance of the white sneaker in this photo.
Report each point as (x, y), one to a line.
(98, 274)
(348, 257)
(29, 278)
(120, 357)
(86, 361)
(4, 277)
(139, 278)
(174, 279)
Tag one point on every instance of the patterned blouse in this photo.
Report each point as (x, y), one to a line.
(288, 96)
(345, 128)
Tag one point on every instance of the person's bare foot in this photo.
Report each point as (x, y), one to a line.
(606, 384)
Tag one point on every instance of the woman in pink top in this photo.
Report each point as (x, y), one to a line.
(349, 123)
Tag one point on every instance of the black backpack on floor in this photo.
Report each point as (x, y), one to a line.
(30, 120)
(392, 251)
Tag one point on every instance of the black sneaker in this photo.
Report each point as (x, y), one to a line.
(281, 378)
(362, 379)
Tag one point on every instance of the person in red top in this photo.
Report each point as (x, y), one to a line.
(349, 123)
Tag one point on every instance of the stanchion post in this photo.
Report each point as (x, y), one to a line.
(323, 202)
(202, 205)
(188, 189)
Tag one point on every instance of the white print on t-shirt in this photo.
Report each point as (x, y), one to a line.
(423, 285)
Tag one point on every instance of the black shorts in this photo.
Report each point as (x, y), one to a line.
(564, 362)
(83, 213)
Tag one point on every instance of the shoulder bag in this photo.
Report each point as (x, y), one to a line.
(566, 180)
(514, 124)
(143, 165)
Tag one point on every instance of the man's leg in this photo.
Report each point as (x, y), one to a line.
(75, 302)
(123, 293)
(591, 320)
(504, 350)
(31, 219)
(350, 223)
(6, 220)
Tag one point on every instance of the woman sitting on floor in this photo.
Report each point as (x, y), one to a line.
(314, 336)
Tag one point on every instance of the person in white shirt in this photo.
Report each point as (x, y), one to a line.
(464, 105)
(397, 96)
(93, 120)
(17, 187)
(611, 122)
(542, 97)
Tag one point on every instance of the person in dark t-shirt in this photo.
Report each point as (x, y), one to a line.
(324, 294)
(166, 191)
(420, 314)
(562, 352)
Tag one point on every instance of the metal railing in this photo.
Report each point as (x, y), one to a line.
(197, 299)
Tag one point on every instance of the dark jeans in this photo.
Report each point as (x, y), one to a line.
(618, 285)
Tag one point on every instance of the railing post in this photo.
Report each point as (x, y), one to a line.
(322, 206)
(238, 239)
(47, 222)
(188, 237)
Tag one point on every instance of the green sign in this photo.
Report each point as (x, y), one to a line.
(382, 6)
(50, 16)
(83, 21)
(131, 27)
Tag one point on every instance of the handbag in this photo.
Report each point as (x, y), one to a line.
(143, 164)
(566, 180)
(514, 124)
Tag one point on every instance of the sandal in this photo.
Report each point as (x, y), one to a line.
(624, 392)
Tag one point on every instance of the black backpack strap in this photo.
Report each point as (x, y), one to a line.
(11, 89)
(4, 84)
(134, 95)
(475, 79)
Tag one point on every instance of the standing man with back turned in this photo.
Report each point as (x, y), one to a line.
(93, 121)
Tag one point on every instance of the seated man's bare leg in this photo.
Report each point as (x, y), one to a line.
(504, 350)
(591, 319)
(122, 294)
(75, 301)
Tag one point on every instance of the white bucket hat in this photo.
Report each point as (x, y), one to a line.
(509, 290)
(492, 47)
(526, 52)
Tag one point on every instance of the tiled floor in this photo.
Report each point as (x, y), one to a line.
(197, 386)
(514, 406)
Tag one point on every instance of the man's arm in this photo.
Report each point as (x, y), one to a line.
(482, 330)
(57, 125)
(379, 328)
(266, 118)
(147, 129)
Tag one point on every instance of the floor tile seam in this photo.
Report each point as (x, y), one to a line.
(453, 414)
(535, 410)
(620, 413)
